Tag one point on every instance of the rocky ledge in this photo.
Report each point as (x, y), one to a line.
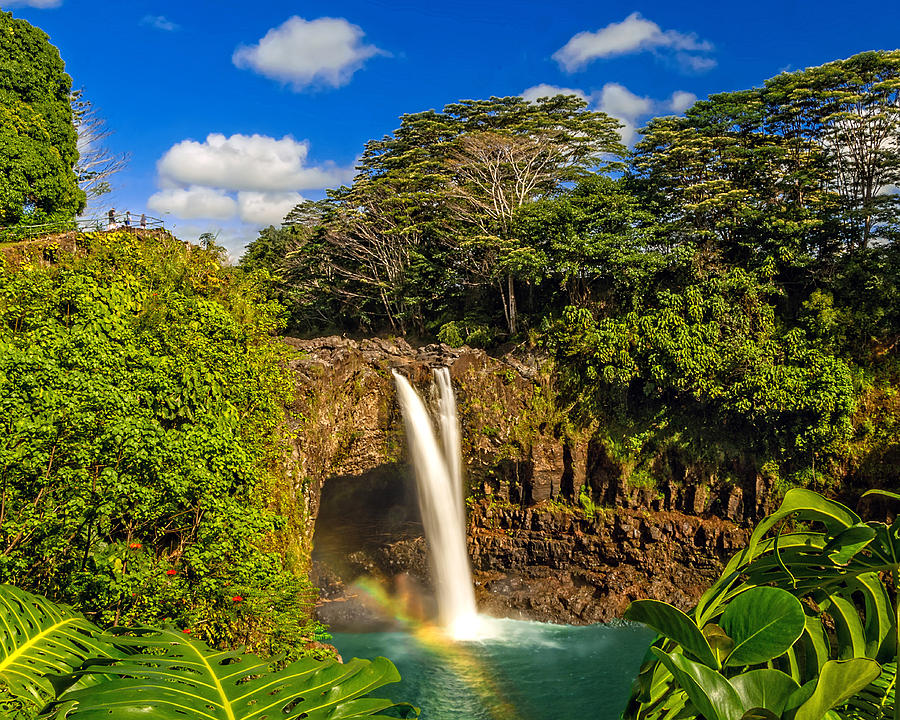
(536, 553)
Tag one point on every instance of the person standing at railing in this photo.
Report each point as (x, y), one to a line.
(112, 219)
(128, 218)
(143, 221)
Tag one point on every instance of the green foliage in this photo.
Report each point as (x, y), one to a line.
(587, 503)
(596, 242)
(42, 639)
(37, 135)
(141, 392)
(809, 609)
(763, 624)
(461, 332)
(57, 663)
(731, 297)
(421, 234)
(794, 171)
(166, 674)
(714, 352)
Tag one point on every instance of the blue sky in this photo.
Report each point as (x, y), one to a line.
(233, 110)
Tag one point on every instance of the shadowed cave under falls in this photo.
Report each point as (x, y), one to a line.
(375, 570)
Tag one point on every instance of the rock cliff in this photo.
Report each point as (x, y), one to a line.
(558, 530)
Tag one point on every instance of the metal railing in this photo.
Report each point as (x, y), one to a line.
(103, 223)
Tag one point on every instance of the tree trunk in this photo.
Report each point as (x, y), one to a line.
(512, 304)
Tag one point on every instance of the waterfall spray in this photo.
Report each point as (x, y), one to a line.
(438, 471)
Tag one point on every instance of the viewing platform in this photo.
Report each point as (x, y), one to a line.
(82, 225)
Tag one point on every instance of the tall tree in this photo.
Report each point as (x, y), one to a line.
(38, 140)
(97, 163)
(493, 177)
(851, 110)
(471, 167)
(802, 167)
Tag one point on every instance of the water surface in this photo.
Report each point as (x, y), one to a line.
(524, 671)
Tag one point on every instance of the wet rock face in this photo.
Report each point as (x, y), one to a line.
(349, 481)
(560, 566)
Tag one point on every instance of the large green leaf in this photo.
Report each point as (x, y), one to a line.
(879, 615)
(41, 638)
(810, 506)
(840, 573)
(875, 701)
(838, 681)
(763, 622)
(847, 543)
(883, 493)
(816, 646)
(709, 691)
(675, 625)
(769, 689)
(183, 678)
(848, 627)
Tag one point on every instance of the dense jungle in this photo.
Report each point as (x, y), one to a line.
(676, 367)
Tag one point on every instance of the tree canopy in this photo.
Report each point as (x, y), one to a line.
(729, 285)
(141, 393)
(428, 221)
(38, 140)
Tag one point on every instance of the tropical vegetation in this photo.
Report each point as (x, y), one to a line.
(56, 663)
(141, 368)
(726, 291)
(802, 623)
(38, 140)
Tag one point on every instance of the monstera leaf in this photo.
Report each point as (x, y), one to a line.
(174, 676)
(838, 682)
(40, 638)
(766, 693)
(763, 622)
(842, 574)
(675, 625)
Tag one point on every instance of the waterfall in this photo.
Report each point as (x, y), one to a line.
(448, 423)
(438, 471)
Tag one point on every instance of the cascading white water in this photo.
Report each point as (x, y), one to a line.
(438, 473)
(448, 423)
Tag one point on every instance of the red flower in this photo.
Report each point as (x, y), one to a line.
(135, 546)
(237, 598)
(185, 630)
(171, 571)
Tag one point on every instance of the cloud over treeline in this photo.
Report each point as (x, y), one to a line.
(256, 178)
(632, 35)
(303, 53)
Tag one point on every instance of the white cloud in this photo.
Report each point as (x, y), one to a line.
(42, 4)
(619, 102)
(696, 63)
(305, 52)
(235, 185)
(266, 208)
(544, 90)
(160, 22)
(193, 202)
(633, 34)
(233, 236)
(681, 101)
(247, 162)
